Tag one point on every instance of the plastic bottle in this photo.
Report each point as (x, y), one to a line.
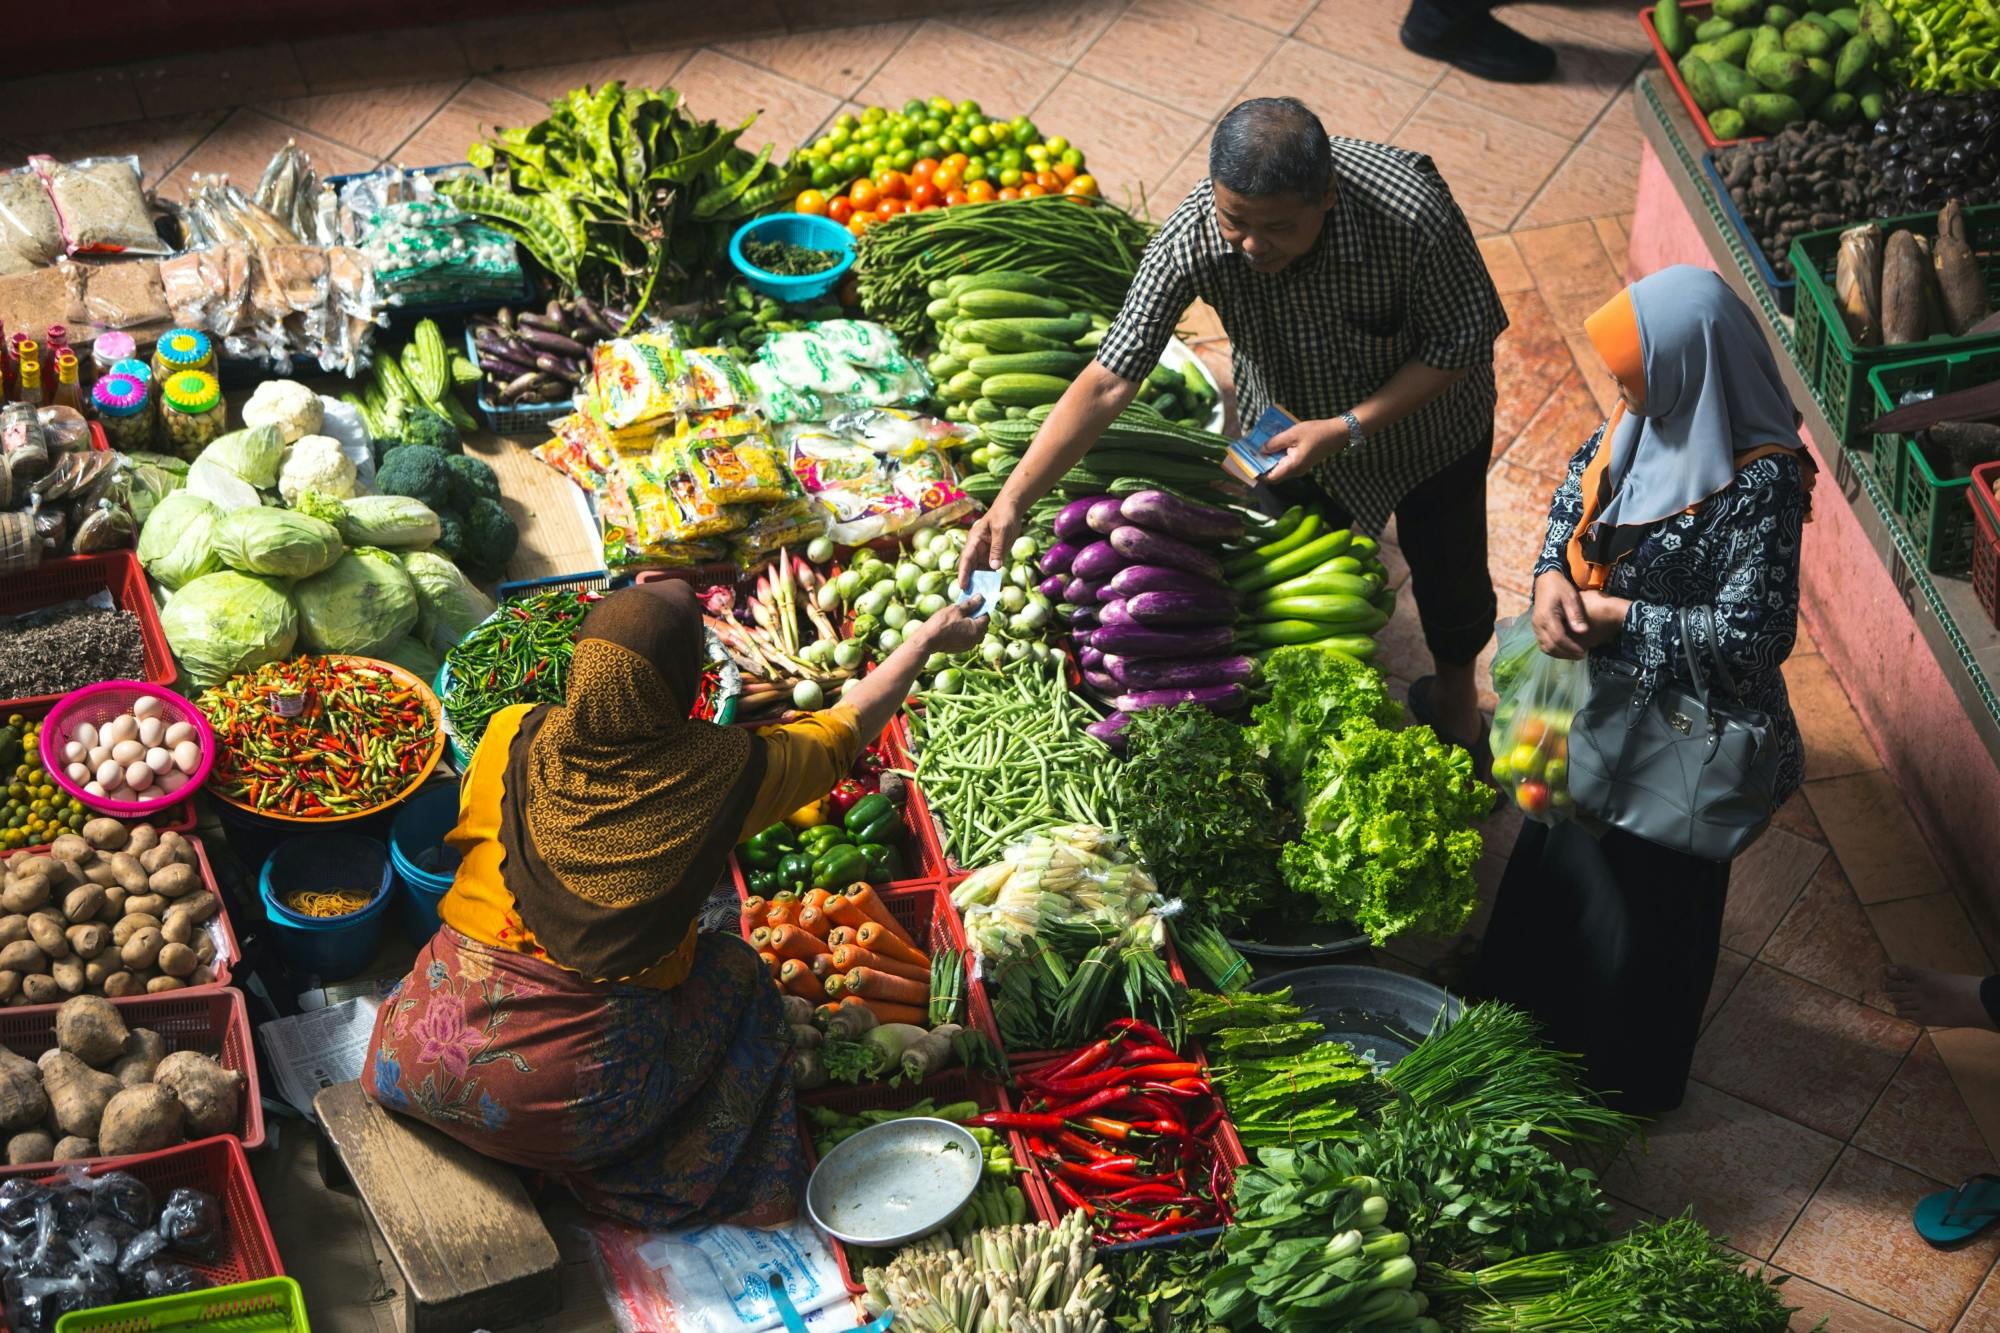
(69, 389)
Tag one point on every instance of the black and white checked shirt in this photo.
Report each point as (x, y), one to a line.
(1395, 275)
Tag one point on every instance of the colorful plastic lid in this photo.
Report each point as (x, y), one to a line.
(191, 391)
(137, 369)
(183, 347)
(118, 395)
(113, 347)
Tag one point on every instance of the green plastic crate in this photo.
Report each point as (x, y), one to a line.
(268, 1305)
(1933, 509)
(1832, 365)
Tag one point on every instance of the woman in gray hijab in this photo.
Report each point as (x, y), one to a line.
(1691, 496)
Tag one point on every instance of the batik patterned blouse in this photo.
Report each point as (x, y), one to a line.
(1736, 554)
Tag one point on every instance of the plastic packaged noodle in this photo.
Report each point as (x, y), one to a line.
(568, 452)
(742, 470)
(100, 206)
(636, 379)
(773, 527)
(851, 481)
(780, 401)
(894, 431)
(666, 507)
(713, 381)
(1539, 696)
(807, 361)
(863, 342)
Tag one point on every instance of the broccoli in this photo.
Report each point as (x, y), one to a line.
(471, 478)
(418, 471)
(490, 536)
(423, 426)
(451, 535)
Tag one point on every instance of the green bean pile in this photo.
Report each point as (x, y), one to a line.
(1005, 755)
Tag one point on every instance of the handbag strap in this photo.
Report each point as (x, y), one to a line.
(1692, 658)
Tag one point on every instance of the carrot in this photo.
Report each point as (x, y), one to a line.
(822, 964)
(875, 938)
(826, 1011)
(888, 1011)
(797, 978)
(770, 961)
(836, 984)
(792, 942)
(753, 912)
(839, 935)
(781, 913)
(816, 898)
(760, 938)
(813, 922)
(872, 984)
(845, 911)
(864, 897)
(850, 956)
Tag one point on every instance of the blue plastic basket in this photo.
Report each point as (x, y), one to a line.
(1781, 289)
(424, 866)
(516, 418)
(332, 948)
(814, 233)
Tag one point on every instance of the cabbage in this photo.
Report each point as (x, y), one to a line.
(226, 622)
(153, 478)
(220, 487)
(276, 542)
(389, 520)
(177, 545)
(448, 605)
(364, 603)
(414, 657)
(253, 454)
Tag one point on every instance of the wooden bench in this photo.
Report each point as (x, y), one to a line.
(473, 1251)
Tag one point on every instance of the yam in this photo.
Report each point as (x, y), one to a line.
(144, 1049)
(29, 1147)
(211, 1095)
(1961, 286)
(142, 839)
(106, 834)
(1857, 284)
(23, 956)
(70, 847)
(82, 903)
(1904, 278)
(139, 1119)
(91, 1029)
(174, 881)
(73, 1148)
(121, 983)
(89, 939)
(40, 988)
(77, 1092)
(130, 875)
(24, 893)
(23, 1100)
(46, 930)
(131, 924)
(142, 947)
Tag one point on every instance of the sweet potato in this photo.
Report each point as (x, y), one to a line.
(30, 1146)
(144, 1049)
(23, 1100)
(211, 1095)
(145, 1118)
(90, 1028)
(76, 1091)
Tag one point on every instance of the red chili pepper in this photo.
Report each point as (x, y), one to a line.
(1112, 1164)
(1096, 1101)
(1209, 1122)
(1076, 1143)
(1108, 1180)
(1149, 1053)
(1164, 1072)
(1085, 1060)
(1039, 1124)
(1153, 1106)
(1146, 1030)
(1163, 1226)
(1110, 1129)
(1070, 1196)
(1151, 1192)
(1174, 1090)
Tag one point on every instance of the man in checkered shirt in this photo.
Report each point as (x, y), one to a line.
(1355, 299)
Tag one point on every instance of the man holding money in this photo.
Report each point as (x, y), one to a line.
(1355, 299)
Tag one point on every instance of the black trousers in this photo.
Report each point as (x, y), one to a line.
(1441, 528)
(1611, 943)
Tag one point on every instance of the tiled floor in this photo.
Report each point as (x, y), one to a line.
(1816, 1117)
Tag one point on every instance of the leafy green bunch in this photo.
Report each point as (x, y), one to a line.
(1315, 693)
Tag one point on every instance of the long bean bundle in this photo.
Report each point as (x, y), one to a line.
(1088, 252)
(1005, 754)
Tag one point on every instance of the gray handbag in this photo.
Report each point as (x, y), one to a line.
(1694, 771)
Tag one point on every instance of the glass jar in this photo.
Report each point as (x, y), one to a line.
(132, 366)
(109, 349)
(182, 349)
(192, 412)
(124, 408)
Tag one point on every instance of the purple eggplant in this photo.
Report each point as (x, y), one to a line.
(1181, 518)
(1215, 698)
(1056, 560)
(1135, 579)
(1137, 641)
(1072, 524)
(1089, 658)
(1158, 673)
(1096, 562)
(1052, 586)
(1103, 516)
(1111, 731)
(1143, 546)
(1113, 613)
(1081, 592)
(1083, 620)
(1100, 682)
(1162, 610)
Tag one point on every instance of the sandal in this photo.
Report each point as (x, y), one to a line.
(1951, 1216)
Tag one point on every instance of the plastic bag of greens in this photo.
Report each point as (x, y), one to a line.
(177, 545)
(276, 542)
(253, 454)
(1539, 695)
(448, 605)
(363, 603)
(227, 622)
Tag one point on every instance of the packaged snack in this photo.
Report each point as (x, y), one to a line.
(894, 431)
(30, 236)
(100, 206)
(773, 527)
(636, 379)
(778, 400)
(853, 483)
(742, 470)
(713, 381)
(863, 342)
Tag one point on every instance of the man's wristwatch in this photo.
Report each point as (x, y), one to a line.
(1354, 431)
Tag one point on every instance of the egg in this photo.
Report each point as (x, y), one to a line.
(119, 729)
(98, 754)
(109, 772)
(187, 757)
(86, 734)
(78, 773)
(150, 730)
(178, 732)
(93, 789)
(126, 751)
(159, 760)
(137, 776)
(172, 781)
(145, 706)
(76, 752)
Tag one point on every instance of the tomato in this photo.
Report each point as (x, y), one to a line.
(979, 192)
(1557, 774)
(924, 193)
(1049, 181)
(859, 222)
(956, 162)
(810, 202)
(958, 197)
(864, 194)
(923, 170)
(1063, 172)
(1532, 797)
(1032, 191)
(840, 208)
(1084, 185)
(1531, 730)
(947, 178)
(1009, 192)
(892, 184)
(888, 208)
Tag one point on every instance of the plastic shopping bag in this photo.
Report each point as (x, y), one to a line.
(1539, 695)
(714, 1279)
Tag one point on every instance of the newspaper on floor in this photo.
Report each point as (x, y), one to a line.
(318, 1049)
(713, 1279)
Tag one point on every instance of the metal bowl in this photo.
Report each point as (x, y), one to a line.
(894, 1182)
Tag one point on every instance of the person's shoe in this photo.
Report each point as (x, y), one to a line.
(1485, 48)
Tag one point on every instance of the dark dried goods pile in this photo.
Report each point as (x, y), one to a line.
(69, 650)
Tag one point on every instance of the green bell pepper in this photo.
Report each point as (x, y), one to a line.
(817, 840)
(796, 871)
(764, 883)
(840, 867)
(884, 862)
(764, 850)
(882, 828)
(866, 811)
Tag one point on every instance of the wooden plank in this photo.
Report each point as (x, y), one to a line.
(471, 1248)
(557, 537)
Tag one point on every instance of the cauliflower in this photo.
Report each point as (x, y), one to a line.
(290, 406)
(316, 463)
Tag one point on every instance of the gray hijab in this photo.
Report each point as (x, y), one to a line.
(1712, 392)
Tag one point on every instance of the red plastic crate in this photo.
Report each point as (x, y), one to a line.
(213, 1022)
(1986, 539)
(215, 1166)
(1696, 14)
(78, 576)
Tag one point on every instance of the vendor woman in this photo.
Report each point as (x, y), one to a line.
(567, 1017)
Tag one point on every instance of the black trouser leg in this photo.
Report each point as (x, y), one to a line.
(1989, 995)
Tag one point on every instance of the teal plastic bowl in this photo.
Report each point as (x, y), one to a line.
(332, 948)
(424, 866)
(795, 229)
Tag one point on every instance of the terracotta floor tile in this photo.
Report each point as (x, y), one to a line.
(1800, 1051)
(1920, 1121)
(833, 60)
(1549, 440)
(70, 100)
(1493, 165)
(1277, 15)
(1588, 75)
(242, 145)
(1530, 361)
(1399, 645)
(1517, 522)
(1805, 645)
(1855, 1237)
(726, 89)
(1973, 1057)
(1505, 266)
(1826, 938)
(1179, 181)
(656, 25)
(1179, 53)
(159, 143)
(1131, 142)
(639, 69)
(1930, 931)
(1729, 969)
(1746, 1171)
(1815, 1303)
(1596, 375)
(1617, 130)
(374, 121)
(1349, 97)
(1763, 885)
(1874, 837)
(1835, 743)
(380, 58)
(1365, 30)
(1571, 270)
(1058, 30)
(1983, 1315)
(1003, 80)
(1796, 816)
(478, 110)
(174, 84)
(522, 41)
(1609, 24)
(1590, 181)
(1611, 235)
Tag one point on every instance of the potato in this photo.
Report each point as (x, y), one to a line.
(74, 1148)
(201, 906)
(24, 893)
(82, 903)
(149, 904)
(97, 969)
(23, 1101)
(10, 985)
(114, 905)
(145, 1118)
(23, 956)
(131, 924)
(158, 984)
(12, 928)
(100, 872)
(144, 1049)
(106, 834)
(177, 960)
(121, 983)
(39, 864)
(91, 1029)
(131, 876)
(64, 876)
(177, 928)
(211, 1095)
(76, 1091)
(174, 880)
(69, 847)
(68, 975)
(144, 838)
(204, 947)
(141, 948)
(40, 988)
(46, 930)
(29, 1147)
(201, 976)
(88, 940)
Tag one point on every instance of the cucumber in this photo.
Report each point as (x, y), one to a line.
(999, 335)
(996, 303)
(985, 409)
(1064, 364)
(999, 280)
(1023, 390)
(963, 387)
(940, 310)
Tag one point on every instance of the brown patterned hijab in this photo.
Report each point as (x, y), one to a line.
(621, 808)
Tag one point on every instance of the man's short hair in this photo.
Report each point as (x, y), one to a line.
(1271, 146)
